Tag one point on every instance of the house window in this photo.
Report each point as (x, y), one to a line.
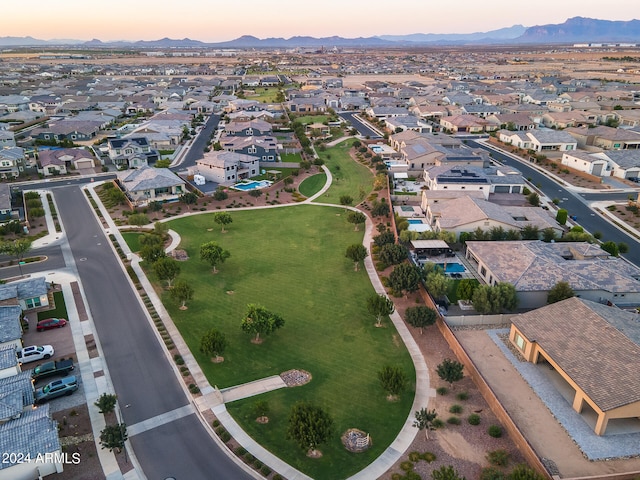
(483, 271)
(519, 341)
(33, 302)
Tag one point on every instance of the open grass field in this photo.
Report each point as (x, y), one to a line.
(291, 260)
(263, 94)
(313, 184)
(349, 177)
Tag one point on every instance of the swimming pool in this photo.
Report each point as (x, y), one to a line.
(413, 221)
(452, 267)
(245, 187)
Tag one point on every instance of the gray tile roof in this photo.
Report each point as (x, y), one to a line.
(33, 433)
(10, 328)
(596, 345)
(8, 357)
(30, 288)
(624, 158)
(5, 197)
(149, 178)
(18, 383)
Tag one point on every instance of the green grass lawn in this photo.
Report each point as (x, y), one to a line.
(133, 240)
(313, 184)
(263, 94)
(290, 157)
(59, 312)
(308, 119)
(349, 177)
(285, 260)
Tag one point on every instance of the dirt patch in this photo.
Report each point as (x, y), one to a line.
(457, 446)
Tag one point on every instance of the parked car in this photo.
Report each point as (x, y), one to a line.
(50, 323)
(52, 369)
(34, 353)
(57, 388)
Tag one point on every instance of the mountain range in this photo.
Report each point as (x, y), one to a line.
(573, 30)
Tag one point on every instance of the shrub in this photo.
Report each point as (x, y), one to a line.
(415, 456)
(178, 359)
(429, 457)
(258, 464)
(442, 390)
(462, 396)
(225, 437)
(397, 476)
(437, 423)
(473, 419)
(265, 470)
(106, 403)
(495, 431)
(215, 423)
(455, 408)
(454, 420)
(492, 473)
(249, 458)
(499, 458)
(407, 466)
(277, 476)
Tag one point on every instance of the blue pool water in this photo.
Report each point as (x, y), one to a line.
(245, 187)
(413, 221)
(452, 267)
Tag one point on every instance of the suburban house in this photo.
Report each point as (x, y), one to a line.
(309, 104)
(10, 327)
(71, 130)
(9, 366)
(55, 162)
(539, 140)
(7, 139)
(17, 435)
(464, 124)
(562, 120)
(407, 122)
(594, 349)
(470, 178)
(266, 148)
(249, 128)
(226, 168)
(512, 121)
(623, 163)
(12, 162)
(534, 267)
(131, 152)
(29, 294)
(466, 214)
(148, 184)
(591, 163)
(7, 212)
(607, 138)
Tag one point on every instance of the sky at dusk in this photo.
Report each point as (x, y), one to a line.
(213, 21)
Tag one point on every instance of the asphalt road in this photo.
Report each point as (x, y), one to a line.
(363, 129)
(575, 204)
(140, 372)
(196, 150)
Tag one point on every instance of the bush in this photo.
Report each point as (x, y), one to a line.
(495, 431)
(225, 437)
(265, 470)
(454, 420)
(473, 419)
(462, 396)
(437, 423)
(499, 458)
(455, 408)
(178, 359)
(429, 457)
(215, 423)
(407, 466)
(277, 476)
(415, 456)
(106, 403)
(492, 473)
(442, 390)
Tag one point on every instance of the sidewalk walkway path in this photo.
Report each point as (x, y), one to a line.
(252, 388)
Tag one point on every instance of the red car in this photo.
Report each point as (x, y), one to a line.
(50, 323)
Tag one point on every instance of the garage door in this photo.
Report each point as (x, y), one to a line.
(84, 164)
(501, 189)
(597, 169)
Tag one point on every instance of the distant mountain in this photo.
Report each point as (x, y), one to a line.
(580, 29)
(574, 30)
(501, 34)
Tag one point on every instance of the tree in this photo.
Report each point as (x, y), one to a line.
(424, 420)
(561, 216)
(213, 343)
(189, 198)
(380, 306)
(466, 288)
(346, 199)
(530, 232)
(356, 218)
(384, 238)
(309, 426)
(437, 284)
(392, 379)
(260, 321)
(152, 253)
(405, 278)
(223, 219)
(534, 199)
(113, 437)
(560, 291)
(549, 235)
(356, 253)
(494, 299)
(213, 254)
(380, 208)
(138, 219)
(166, 268)
(450, 371)
(420, 316)
(393, 254)
(181, 292)
(106, 403)
(446, 473)
(611, 248)
(19, 249)
(220, 194)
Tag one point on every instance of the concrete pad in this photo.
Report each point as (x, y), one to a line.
(252, 388)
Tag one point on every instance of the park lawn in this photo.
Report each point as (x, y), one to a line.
(264, 94)
(349, 177)
(285, 260)
(309, 119)
(313, 184)
(133, 240)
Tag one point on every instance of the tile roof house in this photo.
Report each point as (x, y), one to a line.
(607, 138)
(54, 162)
(593, 347)
(16, 395)
(9, 365)
(249, 128)
(535, 267)
(591, 163)
(12, 161)
(28, 294)
(34, 434)
(133, 151)
(264, 147)
(466, 178)
(10, 327)
(7, 139)
(464, 123)
(227, 168)
(148, 184)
